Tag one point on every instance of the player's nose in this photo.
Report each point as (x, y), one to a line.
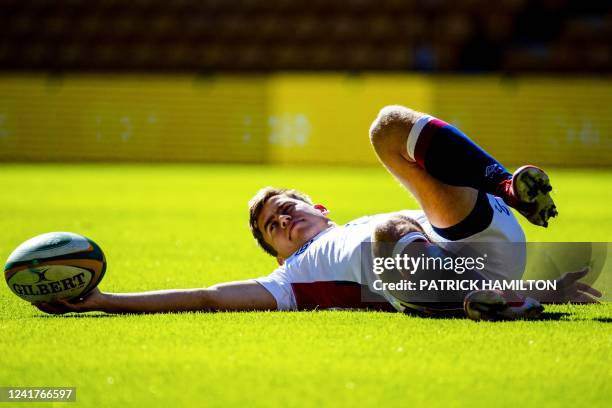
(284, 220)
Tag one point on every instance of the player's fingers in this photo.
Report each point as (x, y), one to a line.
(76, 301)
(41, 306)
(61, 306)
(580, 297)
(583, 287)
(67, 305)
(574, 276)
(47, 308)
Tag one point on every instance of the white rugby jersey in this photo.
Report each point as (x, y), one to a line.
(328, 271)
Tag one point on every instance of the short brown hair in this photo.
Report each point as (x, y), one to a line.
(256, 205)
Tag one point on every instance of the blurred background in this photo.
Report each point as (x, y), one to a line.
(299, 81)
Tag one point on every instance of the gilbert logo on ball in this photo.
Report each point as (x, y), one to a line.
(54, 266)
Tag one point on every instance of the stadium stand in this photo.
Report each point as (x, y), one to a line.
(296, 81)
(268, 35)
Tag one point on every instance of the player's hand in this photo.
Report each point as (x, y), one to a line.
(90, 302)
(569, 289)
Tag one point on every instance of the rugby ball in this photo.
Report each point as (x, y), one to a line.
(54, 266)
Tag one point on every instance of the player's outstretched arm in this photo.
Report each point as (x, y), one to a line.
(232, 296)
(569, 290)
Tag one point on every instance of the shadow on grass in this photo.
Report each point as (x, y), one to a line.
(74, 316)
(441, 316)
(545, 316)
(552, 316)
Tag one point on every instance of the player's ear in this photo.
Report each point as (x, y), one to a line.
(322, 209)
(280, 260)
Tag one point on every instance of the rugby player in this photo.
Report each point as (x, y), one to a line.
(463, 192)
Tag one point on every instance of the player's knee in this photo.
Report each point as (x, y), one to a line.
(391, 126)
(390, 231)
(386, 231)
(394, 228)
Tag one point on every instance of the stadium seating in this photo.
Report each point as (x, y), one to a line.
(269, 35)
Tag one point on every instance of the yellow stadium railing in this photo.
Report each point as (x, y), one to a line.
(304, 118)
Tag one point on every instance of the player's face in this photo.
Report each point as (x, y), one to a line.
(287, 223)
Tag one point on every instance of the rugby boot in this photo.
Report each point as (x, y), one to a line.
(496, 305)
(528, 191)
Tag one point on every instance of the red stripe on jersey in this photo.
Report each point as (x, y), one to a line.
(424, 140)
(336, 294)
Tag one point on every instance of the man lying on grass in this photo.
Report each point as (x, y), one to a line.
(463, 193)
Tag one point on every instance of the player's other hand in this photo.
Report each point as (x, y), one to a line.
(87, 303)
(570, 290)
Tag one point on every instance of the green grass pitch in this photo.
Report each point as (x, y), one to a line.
(178, 226)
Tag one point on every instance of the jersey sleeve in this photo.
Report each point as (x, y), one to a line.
(278, 284)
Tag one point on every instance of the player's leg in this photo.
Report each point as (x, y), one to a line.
(399, 234)
(407, 140)
(444, 205)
